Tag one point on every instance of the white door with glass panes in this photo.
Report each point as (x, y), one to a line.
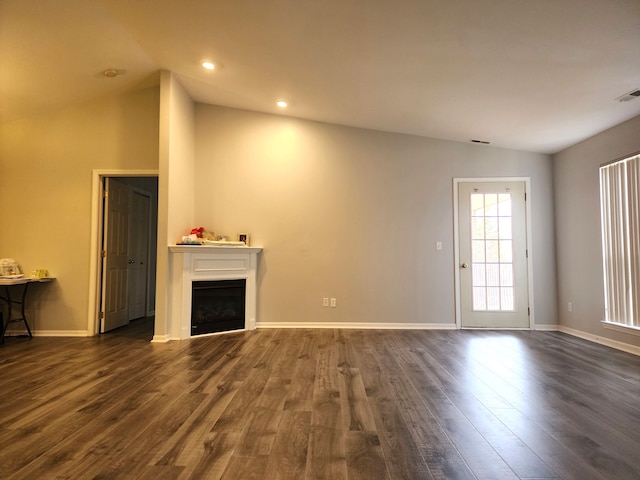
(493, 255)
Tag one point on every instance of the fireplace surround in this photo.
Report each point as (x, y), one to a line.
(196, 263)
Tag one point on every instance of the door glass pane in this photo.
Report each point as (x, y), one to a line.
(478, 275)
(506, 300)
(505, 228)
(504, 205)
(506, 275)
(491, 205)
(492, 252)
(477, 251)
(477, 205)
(493, 298)
(493, 275)
(491, 227)
(477, 228)
(506, 251)
(479, 298)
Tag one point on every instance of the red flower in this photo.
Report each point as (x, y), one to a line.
(197, 231)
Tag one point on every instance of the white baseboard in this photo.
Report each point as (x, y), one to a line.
(60, 333)
(625, 347)
(551, 327)
(360, 325)
(162, 338)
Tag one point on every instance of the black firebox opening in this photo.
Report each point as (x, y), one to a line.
(217, 306)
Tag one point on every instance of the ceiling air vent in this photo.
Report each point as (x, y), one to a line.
(629, 96)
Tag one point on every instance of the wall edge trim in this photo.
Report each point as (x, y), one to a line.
(360, 325)
(607, 342)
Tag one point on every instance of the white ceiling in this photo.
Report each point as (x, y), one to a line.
(535, 75)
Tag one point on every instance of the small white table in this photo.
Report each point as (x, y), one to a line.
(12, 281)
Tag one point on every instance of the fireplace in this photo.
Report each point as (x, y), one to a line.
(191, 265)
(217, 306)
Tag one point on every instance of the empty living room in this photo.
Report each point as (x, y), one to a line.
(319, 240)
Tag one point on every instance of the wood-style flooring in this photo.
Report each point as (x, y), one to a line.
(319, 404)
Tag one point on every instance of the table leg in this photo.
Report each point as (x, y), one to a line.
(10, 302)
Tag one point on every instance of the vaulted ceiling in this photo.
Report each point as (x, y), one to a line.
(535, 75)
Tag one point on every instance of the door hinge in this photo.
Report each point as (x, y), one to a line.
(103, 253)
(525, 196)
(526, 253)
(528, 311)
(105, 194)
(101, 315)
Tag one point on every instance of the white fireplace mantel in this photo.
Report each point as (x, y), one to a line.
(189, 263)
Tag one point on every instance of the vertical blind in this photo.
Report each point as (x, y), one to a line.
(620, 217)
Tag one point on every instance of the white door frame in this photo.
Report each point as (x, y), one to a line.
(93, 319)
(456, 241)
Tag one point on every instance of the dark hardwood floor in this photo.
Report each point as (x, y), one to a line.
(319, 404)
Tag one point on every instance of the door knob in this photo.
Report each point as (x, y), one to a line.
(465, 265)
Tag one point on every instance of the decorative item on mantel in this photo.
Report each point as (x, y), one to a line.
(200, 236)
(244, 238)
(196, 237)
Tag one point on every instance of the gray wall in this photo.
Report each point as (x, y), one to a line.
(353, 214)
(578, 240)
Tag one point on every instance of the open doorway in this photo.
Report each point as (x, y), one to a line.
(125, 219)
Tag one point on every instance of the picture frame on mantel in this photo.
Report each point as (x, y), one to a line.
(244, 237)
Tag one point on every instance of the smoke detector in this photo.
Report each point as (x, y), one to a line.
(629, 96)
(112, 72)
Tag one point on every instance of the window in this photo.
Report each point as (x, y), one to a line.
(492, 252)
(620, 217)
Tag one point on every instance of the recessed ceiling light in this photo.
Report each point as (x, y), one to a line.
(281, 104)
(208, 65)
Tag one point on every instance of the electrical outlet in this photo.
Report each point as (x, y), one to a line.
(333, 303)
(570, 306)
(325, 302)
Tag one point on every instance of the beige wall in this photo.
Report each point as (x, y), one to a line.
(46, 165)
(578, 239)
(175, 186)
(353, 214)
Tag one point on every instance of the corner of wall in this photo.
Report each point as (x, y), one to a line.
(175, 182)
